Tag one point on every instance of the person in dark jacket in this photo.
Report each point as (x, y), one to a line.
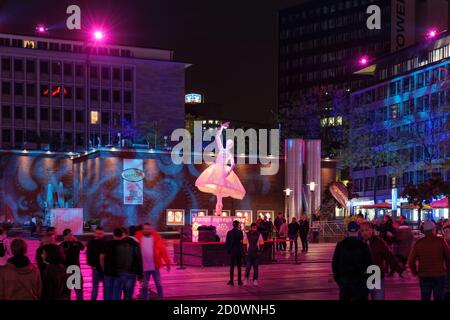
(446, 231)
(54, 278)
(108, 260)
(94, 249)
(293, 230)
(265, 228)
(304, 230)
(72, 248)
(387, 230)
(253, 242)
(20, 279)
(381, 255)
(233, 244)
(277, 224)
(129, 266)
(351, 259)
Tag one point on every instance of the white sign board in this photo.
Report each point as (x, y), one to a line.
(71, 218)
(133, 185)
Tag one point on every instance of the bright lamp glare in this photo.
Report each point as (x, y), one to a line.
(363, 61)
(41, 28)
(432, 33)
(98, 35)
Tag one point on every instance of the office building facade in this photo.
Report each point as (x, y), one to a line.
(73, 95)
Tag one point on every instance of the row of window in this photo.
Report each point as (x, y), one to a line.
(415, 62)
(65, 47)
(384, 182)
(57, 91)
(320, 11)
(57, 68)
(67, 115)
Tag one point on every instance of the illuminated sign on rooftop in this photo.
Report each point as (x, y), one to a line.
(193, 98)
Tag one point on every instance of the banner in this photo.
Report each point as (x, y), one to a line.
(403, 29)
(133, 185)
(339, 192)
(71, 218)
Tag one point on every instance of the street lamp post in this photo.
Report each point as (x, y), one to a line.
(287, 192)
(312, 186)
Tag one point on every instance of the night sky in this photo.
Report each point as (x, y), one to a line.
(232, 44)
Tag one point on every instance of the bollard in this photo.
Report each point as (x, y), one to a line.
(181, 267)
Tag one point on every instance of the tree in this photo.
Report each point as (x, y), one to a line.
(424, 193)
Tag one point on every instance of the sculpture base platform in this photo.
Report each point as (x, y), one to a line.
(214, 254)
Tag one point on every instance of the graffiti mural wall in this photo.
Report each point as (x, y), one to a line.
(96, 184)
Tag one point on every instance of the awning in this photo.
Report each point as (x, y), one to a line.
(440, 204)
(410, 206)
(381, 205)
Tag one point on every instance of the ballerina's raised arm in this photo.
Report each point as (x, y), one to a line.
(219, 135)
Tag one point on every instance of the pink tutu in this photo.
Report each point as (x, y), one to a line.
(215, 180)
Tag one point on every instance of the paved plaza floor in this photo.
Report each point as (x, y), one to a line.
(309, 280)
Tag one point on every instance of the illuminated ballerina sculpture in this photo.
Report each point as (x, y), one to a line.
(219, 178)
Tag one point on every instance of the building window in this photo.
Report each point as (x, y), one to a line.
(94, 72)
(6, 88)
(116, 74)
(94, 94)
(56, 68)
(116, 96)
(67, 138)
(43, 66)
(56, 115)
(68, 92)
(56, 91)
(105, 118)
(18, 136)
(6, 135)
(105, 73)
(79, 137)
(67, 115)
(6, 112)
(94, 117)
(68, 70)
(79, 116)
(79, 93)
(127, 96)
(79, 70)
(44, 114)
(31, 90)
(45, 90)
(31, 113)
(18, 89)
(128, 75)
(6, 64)
(18, 113)
(105, 95)
(117, 119)
(18, 65)
(127, 117)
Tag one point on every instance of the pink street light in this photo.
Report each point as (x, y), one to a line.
(363, 60)
(432, 33)
(40, 28)
(99, 35)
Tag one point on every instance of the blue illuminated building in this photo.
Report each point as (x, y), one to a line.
(407, 106)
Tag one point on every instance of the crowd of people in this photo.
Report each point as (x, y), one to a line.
(391, 246)
(134, 254)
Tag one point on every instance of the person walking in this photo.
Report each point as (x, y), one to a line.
(293, 230)
(20, 279)
(94, 249)
(49, 238)
(304, 231)
(283, 233)
(381, 255)
(54, 277)
(446, 231)
(108, 261)
(234, 248)
(277, 224)
(5, 247)
(154, 257)
(432, 253)
(72, 248)
(253, 242)
(128, 266)
(403, 242)
(351, 259)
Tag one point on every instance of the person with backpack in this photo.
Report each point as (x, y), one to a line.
(5, 247)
